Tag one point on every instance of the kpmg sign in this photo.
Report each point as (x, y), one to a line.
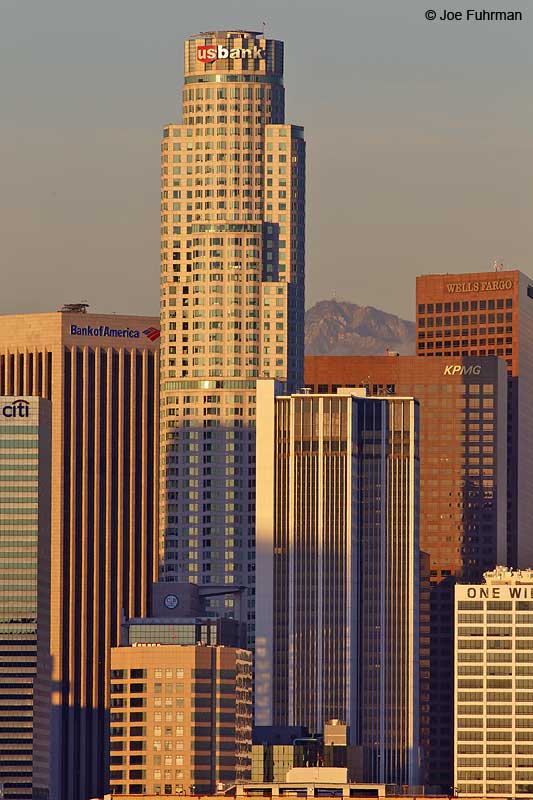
(462, 369)
(16, 409)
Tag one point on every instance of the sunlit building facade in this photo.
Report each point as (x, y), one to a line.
(232, 298)
(181, 718)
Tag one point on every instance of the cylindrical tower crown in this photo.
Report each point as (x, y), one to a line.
(238, 54)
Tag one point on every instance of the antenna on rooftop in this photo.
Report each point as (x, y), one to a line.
(498, 266)
(263, 25)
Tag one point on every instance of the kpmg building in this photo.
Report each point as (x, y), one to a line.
(490, 314)
(101, 374)
(337, 631)
(463, 491)
(25, 439)
(232, 298)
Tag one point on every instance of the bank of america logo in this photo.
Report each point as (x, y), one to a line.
(152, 333)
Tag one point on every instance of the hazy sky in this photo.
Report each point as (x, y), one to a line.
(420, 142)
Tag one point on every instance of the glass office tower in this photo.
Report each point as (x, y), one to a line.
(338, 572)
(25, 439)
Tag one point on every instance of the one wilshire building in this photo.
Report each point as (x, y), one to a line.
(337, 628)
(232, 298)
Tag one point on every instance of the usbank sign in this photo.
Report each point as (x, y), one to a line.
(206, 54)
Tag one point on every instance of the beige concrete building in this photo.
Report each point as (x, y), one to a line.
(25, 439)
(494, 685)
(232, 297)
(101, 374)
(181, 719)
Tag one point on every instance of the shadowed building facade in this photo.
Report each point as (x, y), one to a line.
(463, 491)
(101, 374)
(338, 572)
(232, 298)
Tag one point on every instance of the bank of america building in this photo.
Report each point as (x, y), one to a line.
(232, 297)
(100, 373)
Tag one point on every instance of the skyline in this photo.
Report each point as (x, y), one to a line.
(428, 171)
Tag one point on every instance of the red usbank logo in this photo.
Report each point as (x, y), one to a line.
(208, 53)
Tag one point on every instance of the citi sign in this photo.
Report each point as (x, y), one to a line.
(16, 409)
(460, 369)
(208, 53)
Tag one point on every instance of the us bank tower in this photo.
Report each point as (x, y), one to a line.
(232, 299)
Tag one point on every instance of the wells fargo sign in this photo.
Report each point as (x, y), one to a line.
(497, 285)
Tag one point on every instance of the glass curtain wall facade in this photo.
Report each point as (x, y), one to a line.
(338, 579)
(232, 298)
(25, 432)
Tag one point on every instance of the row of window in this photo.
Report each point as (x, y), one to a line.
(465, 305)
(495, 605)
(222, 93)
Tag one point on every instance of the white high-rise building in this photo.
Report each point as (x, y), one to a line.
(494, 685)
(232, 298)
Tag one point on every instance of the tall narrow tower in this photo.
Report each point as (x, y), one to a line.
(232, 298)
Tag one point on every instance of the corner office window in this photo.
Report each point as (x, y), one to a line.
(530, 291)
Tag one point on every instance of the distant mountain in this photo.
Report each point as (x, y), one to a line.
(337, 328)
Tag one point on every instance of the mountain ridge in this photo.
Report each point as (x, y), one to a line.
(342, 328)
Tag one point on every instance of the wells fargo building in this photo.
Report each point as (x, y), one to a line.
(100, 372)
(491, 313)
(232, 297)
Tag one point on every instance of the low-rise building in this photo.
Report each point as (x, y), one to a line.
(181, 718)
